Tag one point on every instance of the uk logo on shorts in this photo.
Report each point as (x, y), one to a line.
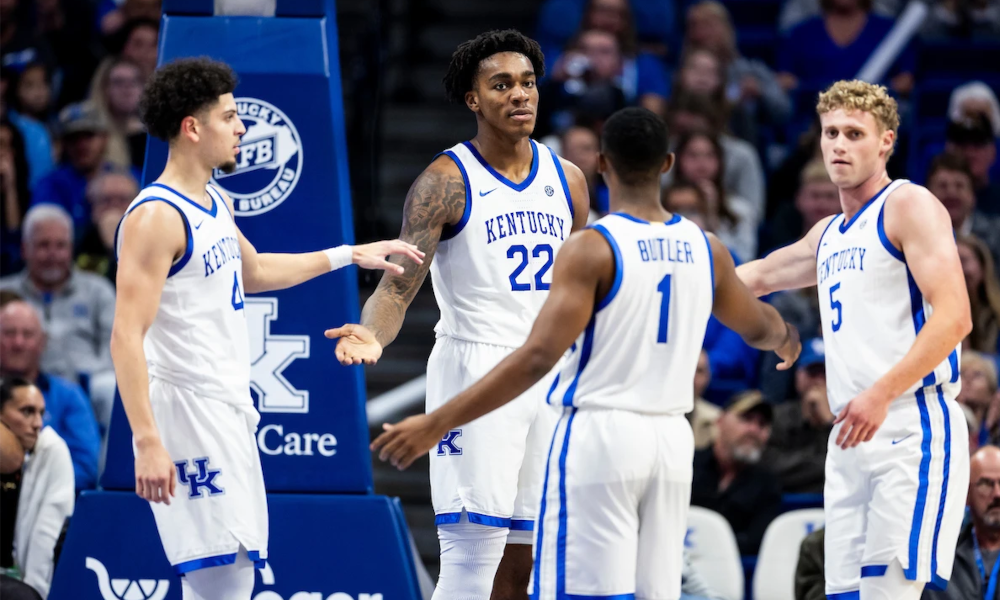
(200, 480)
(270, 159)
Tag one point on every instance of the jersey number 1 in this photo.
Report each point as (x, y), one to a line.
(663, 288)
(237, 293)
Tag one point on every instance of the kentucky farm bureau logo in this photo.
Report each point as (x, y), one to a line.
(270, 159)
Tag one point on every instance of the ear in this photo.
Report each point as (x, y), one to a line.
(602, 163)
(668, 163)
(190, 128)
(888, 138)
(472, 101)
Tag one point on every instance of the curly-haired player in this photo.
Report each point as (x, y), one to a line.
(894, 310)
(179, 341)
(495, 211)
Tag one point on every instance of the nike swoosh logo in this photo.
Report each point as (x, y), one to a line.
(894, 442)
(482, 193)
(198, 226)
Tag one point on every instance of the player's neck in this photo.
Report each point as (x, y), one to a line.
(512, 158)
(639, 201)
(187, 175)
(988, 537)
(852, 199)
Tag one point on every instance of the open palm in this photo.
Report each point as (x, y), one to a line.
(357, 345)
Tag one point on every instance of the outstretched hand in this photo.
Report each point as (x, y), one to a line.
(373, 256)
(357, 345)
(789, 352)
(408, 440)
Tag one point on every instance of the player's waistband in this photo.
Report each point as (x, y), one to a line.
(451, 337)
(203, 387)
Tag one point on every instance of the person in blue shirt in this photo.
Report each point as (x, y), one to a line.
(67, 408)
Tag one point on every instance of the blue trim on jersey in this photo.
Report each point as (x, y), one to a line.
(874, 570)
(845, 226)
(188, 249)
(447, 518)
(222, 201)
(555, 384)
(944, 483)
(919, 318)
(522, 525)
(937, 583)
(953, 363)
(672, 221)
(561, 539)
(819, 243)
(565, 185)
(855, 595)
(450, 231)
(588, 345)
(541, 511)
(490, 521)
(925, 464)
(517, 187)
(619, 265)
(711, 263)
(203, 563)
(583, 597)
(212, 212)
(258, 562)
(890, 248)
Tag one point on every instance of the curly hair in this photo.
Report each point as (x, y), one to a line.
(465, 62)
(180, 89)
(864, 97)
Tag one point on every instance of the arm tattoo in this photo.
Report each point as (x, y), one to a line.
(436, 198)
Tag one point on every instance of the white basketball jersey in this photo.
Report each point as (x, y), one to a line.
(640, 349)
(492, 271)
(198, 339)
(870, 306)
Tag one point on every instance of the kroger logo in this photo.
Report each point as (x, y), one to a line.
(127, 589)
(269, 163)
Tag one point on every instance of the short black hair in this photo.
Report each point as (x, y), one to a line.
(949, 161)
(7, 387)
(465, 61)
(636, 142)
(180, 89)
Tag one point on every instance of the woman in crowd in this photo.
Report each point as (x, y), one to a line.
(984, 294)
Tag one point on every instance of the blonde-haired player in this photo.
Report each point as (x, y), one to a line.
(894, 311)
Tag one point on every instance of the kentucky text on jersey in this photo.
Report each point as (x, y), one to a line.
(847, 259)
(221, 252)
(521, 222)
(665, 249)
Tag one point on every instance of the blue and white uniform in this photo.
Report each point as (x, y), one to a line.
(491, 275)
(902, 494)
(618, 480)
(197, 353)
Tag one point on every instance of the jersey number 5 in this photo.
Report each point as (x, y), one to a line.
(537, 251)
(837, 306)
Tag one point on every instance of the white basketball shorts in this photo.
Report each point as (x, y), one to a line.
(901, 495)
(615, 506)
(219, 501)
(492, 467)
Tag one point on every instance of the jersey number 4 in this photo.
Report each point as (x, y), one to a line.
(237, 294)
(537, 251)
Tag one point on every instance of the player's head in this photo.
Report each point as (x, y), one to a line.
(21, 409)
(984, 484)
(635, 148)
(189, 104)
(859, 123)
(496, 76)
(744, 427)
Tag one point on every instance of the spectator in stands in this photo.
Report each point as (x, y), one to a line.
(816, 199)
(835, 45)
(742, 173)
(113, 15)
(68, 411)
(984, 294)
(973, 138)
(14, 195)
(688, 200)
(700, 160)
(32, 93)
(794, 12)
(38, 497)
(580, 146)
(960, 20)
(979, 392)
(749, 84)
(801, 309)
(974, 427)
(705, 415)
(950, 179)
(37, 143)
(79, 307)
(109, 195)
(797, 448)
(973, 99)
(115, 91)
(85, 138)
(141, 37)
(810, 583)
(979, 541)
(727, 477)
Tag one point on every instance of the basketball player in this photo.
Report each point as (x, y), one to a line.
(894, 311)
(494, 210)
(179, 341)
(631, 297)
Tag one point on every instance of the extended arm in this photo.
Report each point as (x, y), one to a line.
(152, 238)
(584, 264)
(788, 268)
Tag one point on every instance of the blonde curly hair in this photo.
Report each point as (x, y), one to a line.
(865, 97)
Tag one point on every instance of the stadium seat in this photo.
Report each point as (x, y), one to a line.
(774, 577)
(714, 554)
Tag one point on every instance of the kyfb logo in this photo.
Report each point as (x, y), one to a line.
(127, 589)
(267, 578)
(270, 159)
